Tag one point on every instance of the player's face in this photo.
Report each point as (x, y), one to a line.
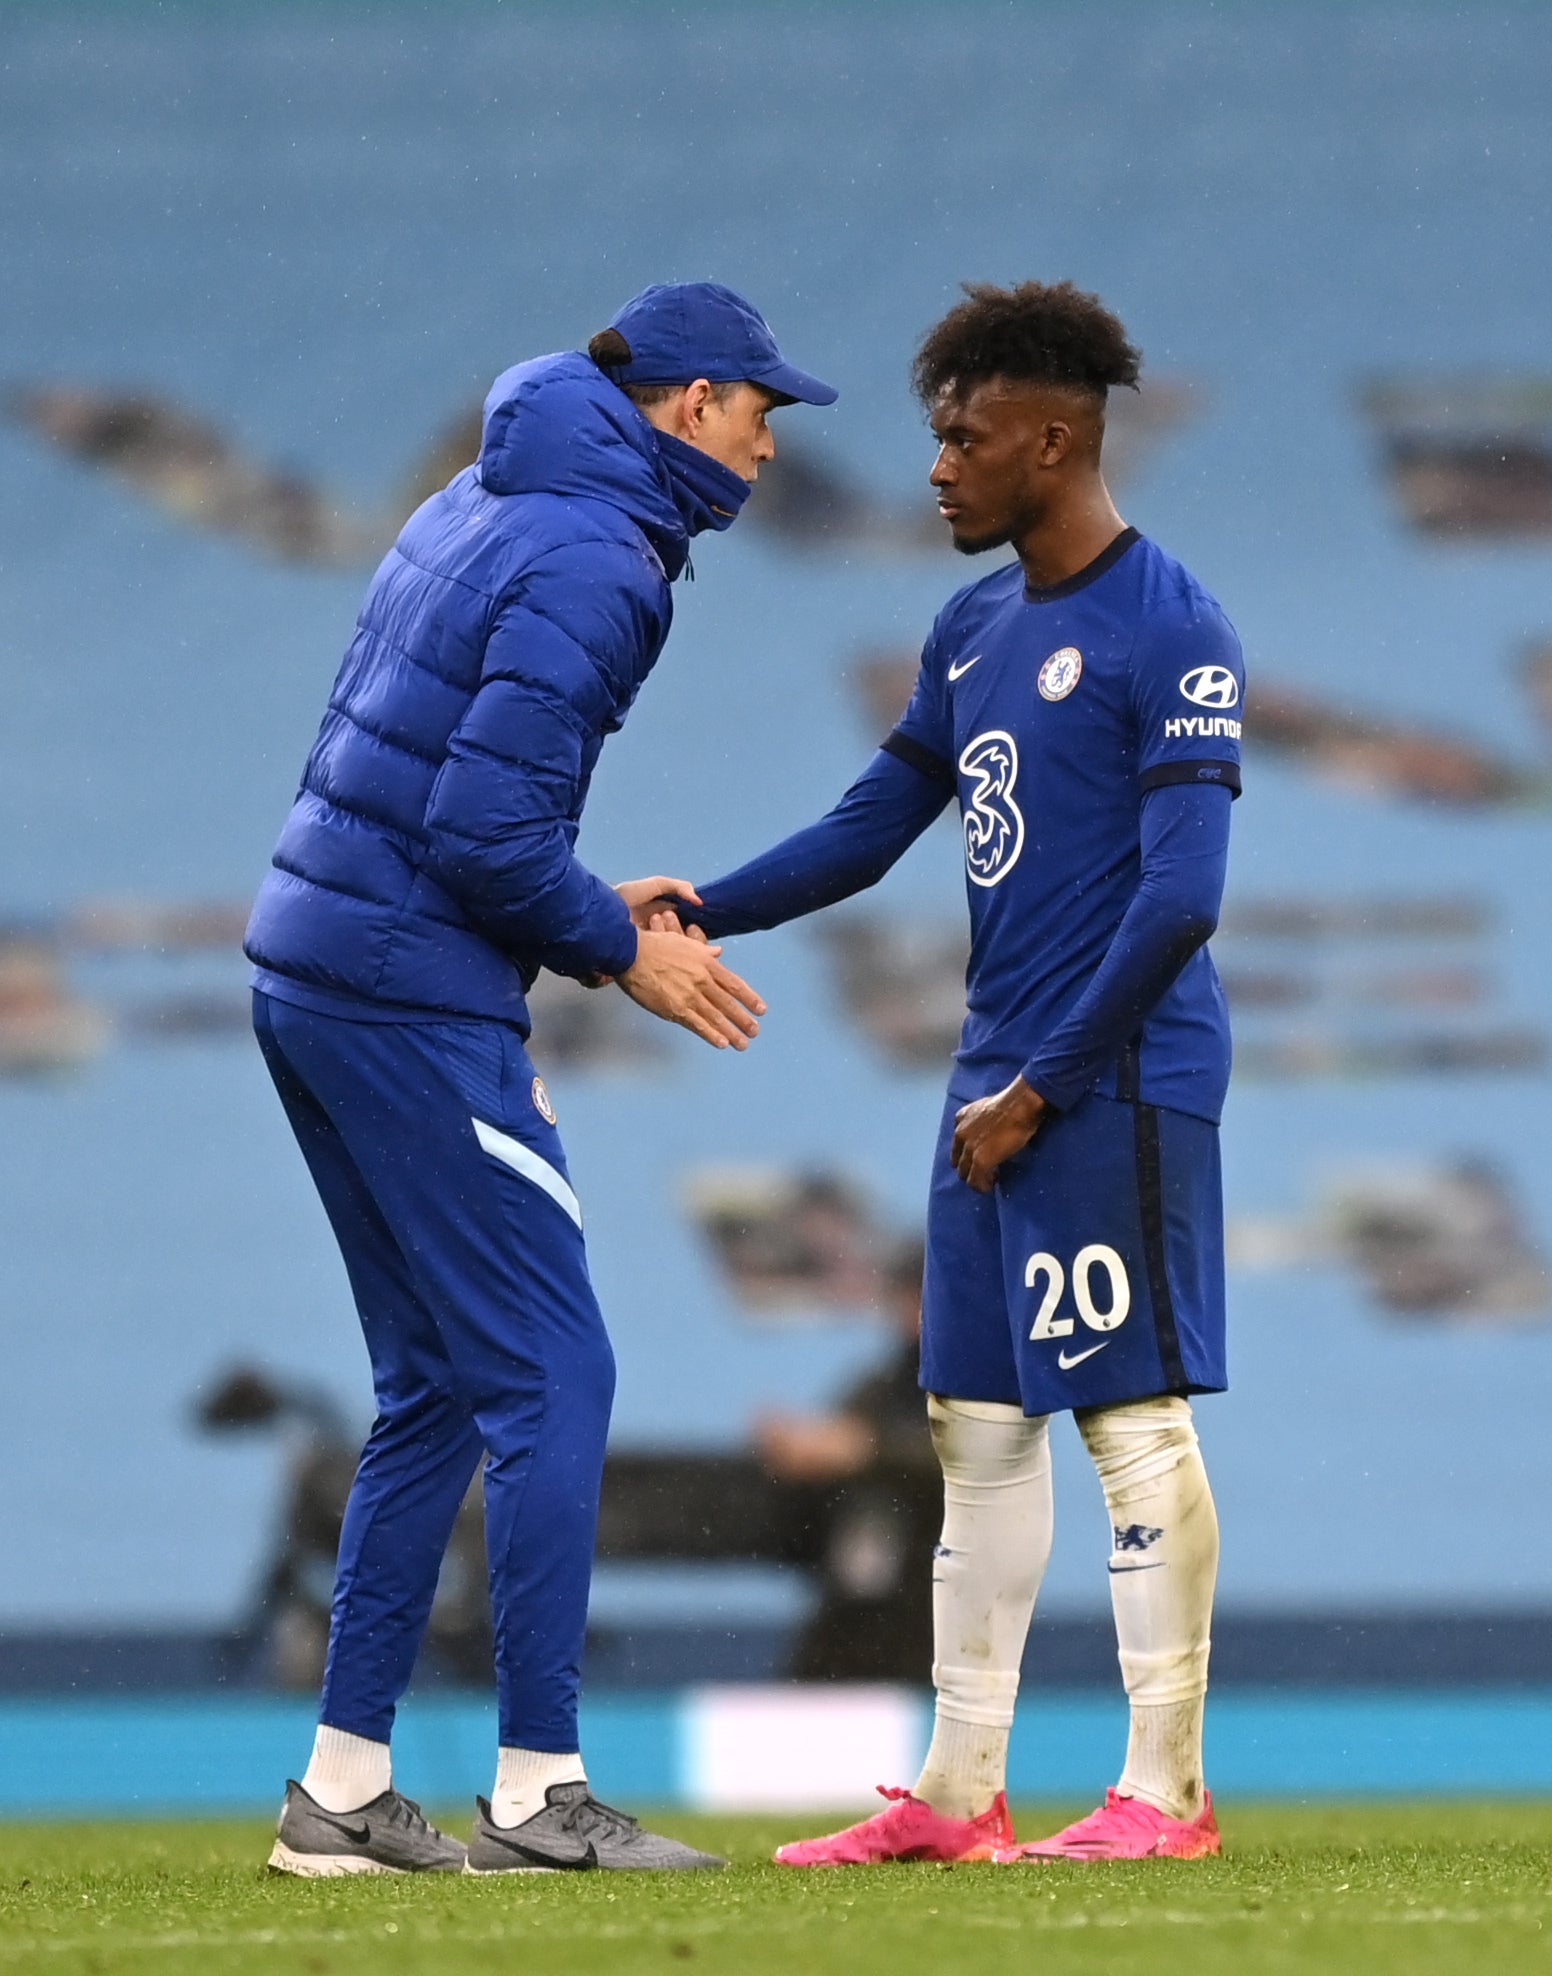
(994, 442)
(735, 429)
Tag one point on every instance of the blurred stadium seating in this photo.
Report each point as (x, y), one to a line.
(259, 265)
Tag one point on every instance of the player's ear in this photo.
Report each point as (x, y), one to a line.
(1055, 442)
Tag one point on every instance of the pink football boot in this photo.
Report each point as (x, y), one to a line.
(909, 1829)
(1125, 1828)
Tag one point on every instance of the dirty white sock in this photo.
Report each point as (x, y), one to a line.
(986, 1571)
(1164, 1757)
(523, 1777)
(966, 1766)
(1163, 1571)
(345, 1771)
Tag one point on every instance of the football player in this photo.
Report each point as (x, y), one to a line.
(1082, 705)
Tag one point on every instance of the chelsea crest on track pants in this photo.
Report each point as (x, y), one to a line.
(438, 1163)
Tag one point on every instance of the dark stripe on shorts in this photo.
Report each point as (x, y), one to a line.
(905, 748)
(1150, 1202)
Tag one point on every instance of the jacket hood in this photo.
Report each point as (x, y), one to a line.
(557, 425)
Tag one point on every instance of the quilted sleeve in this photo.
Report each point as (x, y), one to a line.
(564, 655)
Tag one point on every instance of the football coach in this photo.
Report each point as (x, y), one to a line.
(424, 877)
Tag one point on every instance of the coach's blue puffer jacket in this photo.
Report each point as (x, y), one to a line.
(426, 866)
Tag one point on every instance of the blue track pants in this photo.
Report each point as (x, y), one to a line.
(446, 1187)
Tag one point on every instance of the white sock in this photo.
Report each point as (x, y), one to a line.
(523, 1777)
(986, 1571)
(1163, 1571)
(1164, 1757)
(345, 1771)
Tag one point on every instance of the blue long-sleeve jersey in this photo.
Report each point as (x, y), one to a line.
(1091, 734)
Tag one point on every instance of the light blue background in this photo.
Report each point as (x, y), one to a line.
(327, 227)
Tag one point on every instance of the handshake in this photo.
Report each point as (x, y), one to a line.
(679, 975)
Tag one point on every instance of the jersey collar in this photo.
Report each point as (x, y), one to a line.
(1090, 573)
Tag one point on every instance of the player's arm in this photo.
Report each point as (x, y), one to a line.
(850, 848)
(1187, 678)
(901, 791)
(499, 821)
(1185, 854)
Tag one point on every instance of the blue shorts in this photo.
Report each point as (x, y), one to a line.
(1091, 1275)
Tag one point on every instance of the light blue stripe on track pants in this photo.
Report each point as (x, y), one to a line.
(447, 1191)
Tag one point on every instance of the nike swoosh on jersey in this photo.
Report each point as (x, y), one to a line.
(958, 672)
(561, 1862)
(1077, 1358)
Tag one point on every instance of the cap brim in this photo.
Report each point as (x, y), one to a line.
(796, 386)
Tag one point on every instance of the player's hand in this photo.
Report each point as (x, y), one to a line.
(664, 921)
(993, 1129)
(684, 981)
(645, 897)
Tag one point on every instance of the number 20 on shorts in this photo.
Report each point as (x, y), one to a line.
(1098, 1256)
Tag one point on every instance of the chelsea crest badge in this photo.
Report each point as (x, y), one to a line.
(1061, 673)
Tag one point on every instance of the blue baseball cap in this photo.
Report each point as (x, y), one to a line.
(678, 331)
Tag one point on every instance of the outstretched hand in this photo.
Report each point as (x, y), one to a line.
(683, 980)
(645, 898)
(993, 1129)
(665, 921)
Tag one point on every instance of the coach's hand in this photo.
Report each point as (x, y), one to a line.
(993, 1129)
(684, 981)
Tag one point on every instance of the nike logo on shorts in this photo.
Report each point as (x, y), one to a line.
(1066, 1364)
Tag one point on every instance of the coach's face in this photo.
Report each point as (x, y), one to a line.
(733, 428)
(999, 442)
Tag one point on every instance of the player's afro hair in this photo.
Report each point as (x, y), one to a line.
(1042, 332)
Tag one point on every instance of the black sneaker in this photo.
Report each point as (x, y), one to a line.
(575, 1834)
(388, 1835)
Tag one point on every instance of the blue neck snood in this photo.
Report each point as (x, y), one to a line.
(706, 493)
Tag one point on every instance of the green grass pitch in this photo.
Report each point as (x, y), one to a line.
(1370, 1889)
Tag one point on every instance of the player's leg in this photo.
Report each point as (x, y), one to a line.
(986, 1572)
(987, 1567)
(996, 1543)
(997, 1506)
(413, 1474)
(1123, 1223)
(1162, 1575)
(1163, 1572)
